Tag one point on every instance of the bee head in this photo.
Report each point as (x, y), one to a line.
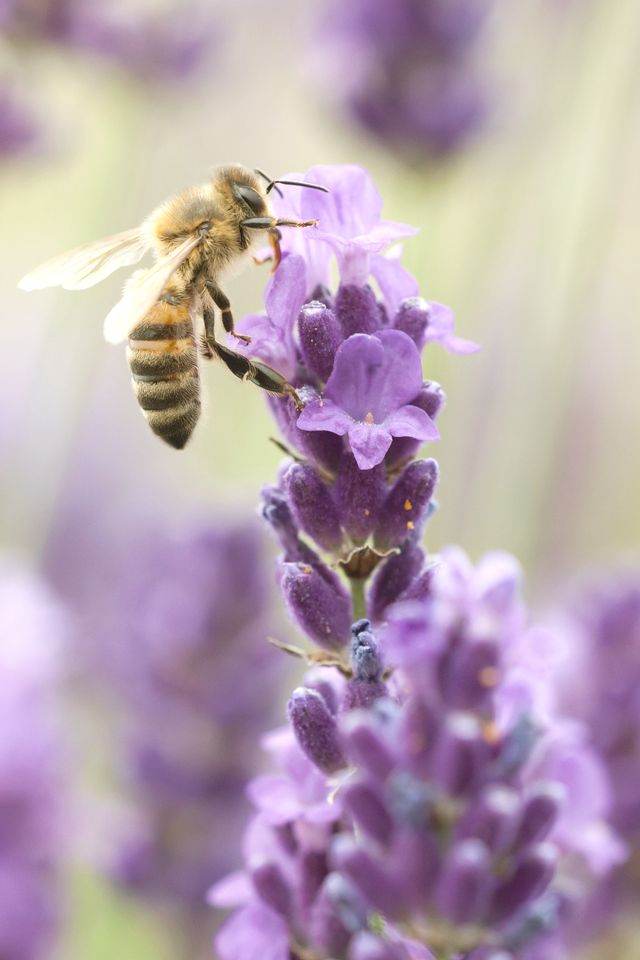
(242, 190)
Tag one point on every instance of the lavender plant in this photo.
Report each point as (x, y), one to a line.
(600, 634)
(194, 682)
(154, 44)
(412, 79)
(427, 801)
(32, 628)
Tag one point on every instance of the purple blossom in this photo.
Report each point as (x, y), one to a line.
(33, 631)
(350, 226)
(272, 333)
(368, 396)
(447, 820)
(409, 70)
(354, 500)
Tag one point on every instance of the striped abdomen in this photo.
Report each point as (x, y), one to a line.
(163, 358)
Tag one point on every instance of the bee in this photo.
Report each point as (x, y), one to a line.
(197, 237)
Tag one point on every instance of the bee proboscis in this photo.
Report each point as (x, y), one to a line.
(197, 237)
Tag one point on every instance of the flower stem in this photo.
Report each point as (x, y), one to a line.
(358, 598)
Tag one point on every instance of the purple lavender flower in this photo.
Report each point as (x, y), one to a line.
(353, 500)
(179, 628)
(154, 44)
(438, 817)
(597, 638)
(411, 80)
(368, 396)
(32, 631)
(351, 228)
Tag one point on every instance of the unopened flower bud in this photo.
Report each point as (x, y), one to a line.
(320, 336)
(465, 882)
(272, 888)
(316, 730)
(357, 310)
(531, 876)
(406, 504)
(318, 603)
(359, 495)
(313, 506)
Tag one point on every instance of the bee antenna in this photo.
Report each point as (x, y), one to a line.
(270, 183)
(299, 183)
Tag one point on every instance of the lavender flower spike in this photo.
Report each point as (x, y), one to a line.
(438, 829)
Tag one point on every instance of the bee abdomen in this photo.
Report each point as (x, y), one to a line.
(164, 367)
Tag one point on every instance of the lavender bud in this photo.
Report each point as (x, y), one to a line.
(366, 663)
(419, 728)
(368, 811)
(326, 924)
(465, 882)
(367, 747)
(406, 503)
(357, 310)
(318, 680)
(393, 577)
(493, 818)
(532, 874)
(277, 513)
(431, 399)
(417, 862)
(540, 812)
(413, 319)
(457, 753)
(378, 886)
(359, 495)
(312, 506)
(337, 913)
(320, 336)
(316, 729)
(420, 588)
(366, 946)
(471, 674)
(313, 870)
(270, 885)
(366, 657)
(321, 606)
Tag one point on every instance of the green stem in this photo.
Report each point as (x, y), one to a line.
(358, 598)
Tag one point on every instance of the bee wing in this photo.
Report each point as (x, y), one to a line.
(142, 291)
(89, 264)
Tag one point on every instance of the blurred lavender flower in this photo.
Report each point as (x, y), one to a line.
(155, 43)
(422, 803)
(411, 80)
(32, 631)
(18, 129)
(597, 638)
(186, 653)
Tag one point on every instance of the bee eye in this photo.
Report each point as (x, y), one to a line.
(250, 196)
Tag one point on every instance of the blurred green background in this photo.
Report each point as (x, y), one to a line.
(531, 234)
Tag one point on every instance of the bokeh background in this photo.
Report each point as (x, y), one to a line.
(529, 228)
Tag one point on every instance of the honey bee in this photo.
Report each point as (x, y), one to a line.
(198, 237)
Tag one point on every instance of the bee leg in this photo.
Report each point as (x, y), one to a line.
(273, 382)
(221, 301)
(274, 240)
(209, 336)
(256, 372)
